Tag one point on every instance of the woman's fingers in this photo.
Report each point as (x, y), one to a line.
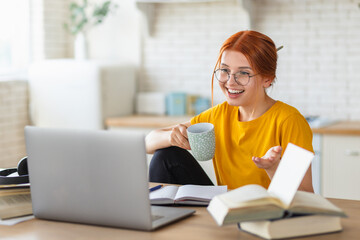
(183, 130)
(270, 161)
(263, 162)
(182, 141)
(178, 137)
(271, 158)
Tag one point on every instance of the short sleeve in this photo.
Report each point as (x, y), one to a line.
(295, 129)
(208, 115)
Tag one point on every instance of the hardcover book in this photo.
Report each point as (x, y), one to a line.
(296, 226)
(254, 202)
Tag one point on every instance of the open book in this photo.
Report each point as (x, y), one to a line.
(186, 194)
(292, 227)
(253, 202)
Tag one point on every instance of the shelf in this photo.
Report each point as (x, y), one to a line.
(147, 7)
(178, 1)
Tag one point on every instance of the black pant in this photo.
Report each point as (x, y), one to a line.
(177, 166)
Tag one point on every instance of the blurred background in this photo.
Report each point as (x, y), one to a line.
(148, 63)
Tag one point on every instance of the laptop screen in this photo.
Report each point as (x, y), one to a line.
(95, 177)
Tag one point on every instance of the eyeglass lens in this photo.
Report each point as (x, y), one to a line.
(241, 78)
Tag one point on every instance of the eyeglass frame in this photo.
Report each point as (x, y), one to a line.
(235, 78)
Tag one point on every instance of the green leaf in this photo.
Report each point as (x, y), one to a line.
(79, 19)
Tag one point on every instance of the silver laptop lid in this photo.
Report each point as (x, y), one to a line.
(91, 177)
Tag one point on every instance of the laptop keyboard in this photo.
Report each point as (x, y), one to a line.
(155, 217)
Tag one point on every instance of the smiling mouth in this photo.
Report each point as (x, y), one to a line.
(234, 91)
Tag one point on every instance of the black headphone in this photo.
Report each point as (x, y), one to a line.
(22, 170)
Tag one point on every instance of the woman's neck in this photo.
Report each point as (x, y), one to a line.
(255, 110)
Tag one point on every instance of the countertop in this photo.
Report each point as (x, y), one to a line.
(340, 128)
(149, 121)
(146, 121)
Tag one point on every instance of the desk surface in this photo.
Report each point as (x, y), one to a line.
(199, 226)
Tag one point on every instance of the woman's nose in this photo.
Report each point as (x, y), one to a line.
(232, 80)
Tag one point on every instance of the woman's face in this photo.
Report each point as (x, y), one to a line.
(239, 95)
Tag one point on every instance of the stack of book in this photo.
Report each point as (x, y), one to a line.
(15, 201)
(294, 226)
(255, 211)
(279, 211)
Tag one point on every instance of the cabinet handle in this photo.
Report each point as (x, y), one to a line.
(352, 153)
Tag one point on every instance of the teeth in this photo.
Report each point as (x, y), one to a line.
(235, 91)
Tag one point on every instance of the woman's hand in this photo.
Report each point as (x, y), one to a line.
(178, 136)
(269, 161)
(167, 137)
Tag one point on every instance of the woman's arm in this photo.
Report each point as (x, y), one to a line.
(306, 184)
(270, 162)
(166, 137)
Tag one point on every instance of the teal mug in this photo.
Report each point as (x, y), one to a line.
(202, 141)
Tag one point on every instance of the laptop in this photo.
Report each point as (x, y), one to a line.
(93, 177)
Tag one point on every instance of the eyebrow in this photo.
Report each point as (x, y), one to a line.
(238, 67)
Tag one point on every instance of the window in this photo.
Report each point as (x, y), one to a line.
(14, 37)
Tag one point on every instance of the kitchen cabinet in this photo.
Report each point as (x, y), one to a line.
(316, 164)
(340, 160)
(341, 166)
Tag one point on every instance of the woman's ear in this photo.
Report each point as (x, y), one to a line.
(267, 82)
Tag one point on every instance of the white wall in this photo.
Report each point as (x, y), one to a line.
(317, 67)
(180, 54)
(118, 37)
(317, 71)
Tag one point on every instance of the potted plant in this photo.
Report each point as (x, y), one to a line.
(84, 16)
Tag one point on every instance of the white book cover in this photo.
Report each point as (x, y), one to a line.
(290, 172)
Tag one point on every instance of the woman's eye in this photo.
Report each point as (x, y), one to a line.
(243, 73)
(223, 70)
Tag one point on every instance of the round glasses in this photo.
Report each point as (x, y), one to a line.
(241, 77)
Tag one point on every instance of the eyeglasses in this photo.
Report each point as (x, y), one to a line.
(241, 77)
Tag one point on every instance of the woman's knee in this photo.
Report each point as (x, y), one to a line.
(160, 157)
(170, 155)
(178, 166)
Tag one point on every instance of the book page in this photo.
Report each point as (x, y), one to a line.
(10, 186)
(305, 202)
(199, 192)
(164, 193)
(290, 172)
(243, 195)
(13, 221)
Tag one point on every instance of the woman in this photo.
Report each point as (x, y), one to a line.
(250, 124)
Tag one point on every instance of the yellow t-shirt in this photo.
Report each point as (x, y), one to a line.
(237, 142)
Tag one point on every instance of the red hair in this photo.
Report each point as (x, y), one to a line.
(258, 49)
